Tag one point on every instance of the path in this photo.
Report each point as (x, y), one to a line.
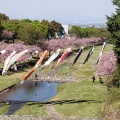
(25, 117)
(56, 116)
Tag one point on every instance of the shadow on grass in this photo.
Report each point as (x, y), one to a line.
(16, 105)
(61, 102)
(13, 106)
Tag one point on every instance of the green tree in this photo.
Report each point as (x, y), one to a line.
(76, 31)
(1, 28)
(45, 22)
(3, 17)
(50, 30)
(29, 34)
(114, 29)
(55, 27)
(42, 28)
(26, 20)
(89, 32)
(12, 25)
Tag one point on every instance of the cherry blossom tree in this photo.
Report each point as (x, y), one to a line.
(55, 44)
(106, 65)
(7, 35)
(18, 47)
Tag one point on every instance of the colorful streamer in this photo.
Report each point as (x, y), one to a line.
(101, 52)
(36, 66)
(89, 54)
(77, 56)
(99, 57)
(7, 61)
(15, 58)
(41, 59)
(28, 75)
(64, 55)
(53, 57)
(103, 46)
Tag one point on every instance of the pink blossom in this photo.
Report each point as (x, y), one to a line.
(107, 64)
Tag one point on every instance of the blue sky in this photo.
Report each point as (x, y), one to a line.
(63, 11)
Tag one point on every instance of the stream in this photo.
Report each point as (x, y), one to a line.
(30, 91)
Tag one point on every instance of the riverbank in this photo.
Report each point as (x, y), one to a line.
(78, 96)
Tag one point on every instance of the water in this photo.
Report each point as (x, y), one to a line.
(31, 91)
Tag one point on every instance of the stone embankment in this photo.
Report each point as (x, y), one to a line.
(25, 117)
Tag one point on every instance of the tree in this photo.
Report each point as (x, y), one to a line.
(1, 29)
(55, 27)
(12, 25)
(89, 32)
(28, 34)
(26, 20)
(3, 17)
(7, 35)
(75, 30)
(114, 29)
(45, 22)
(43, 29)
(106, 65)
(32, 34)
(50, 30)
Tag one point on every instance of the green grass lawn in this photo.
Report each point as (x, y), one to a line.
(34, 110)
(87, 98)
(112, 107)
(8, 80)
(3, 108)
(93, 94)
(12, 77)
(87, 69)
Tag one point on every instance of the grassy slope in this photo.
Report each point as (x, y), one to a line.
(78, 91)
(8, 80)
(88, 99)
(13, 77)
(112, 107)
(34, 110)
(3, 108)
(86, 70)
(84, 90)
